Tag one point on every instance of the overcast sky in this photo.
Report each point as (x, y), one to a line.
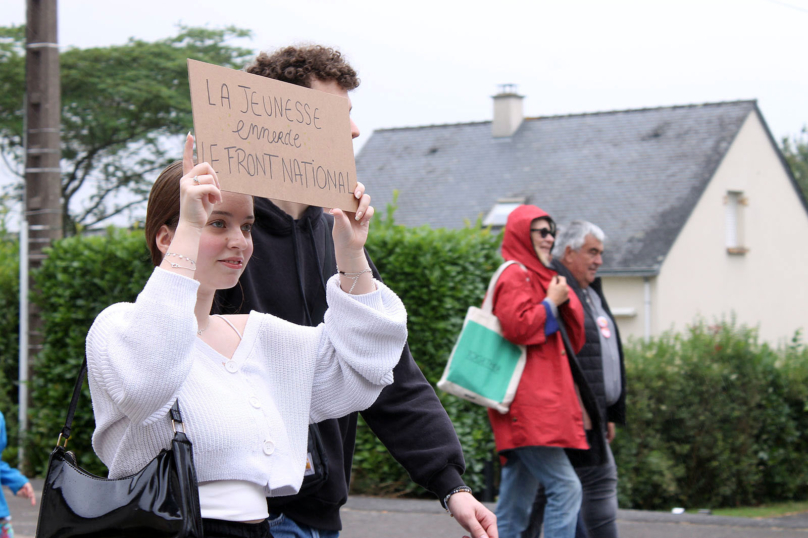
(436, 61)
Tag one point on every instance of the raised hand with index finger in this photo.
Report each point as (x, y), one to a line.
(199, 192)
(199, 188)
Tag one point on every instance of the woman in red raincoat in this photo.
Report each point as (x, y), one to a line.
(546, 415)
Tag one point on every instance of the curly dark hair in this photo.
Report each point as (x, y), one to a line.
(297, 65)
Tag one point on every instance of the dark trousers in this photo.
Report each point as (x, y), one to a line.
(216, 528)
(599, 506)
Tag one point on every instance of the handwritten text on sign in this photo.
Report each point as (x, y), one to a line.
(272, 139)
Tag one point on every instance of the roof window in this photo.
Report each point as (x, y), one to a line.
(498, 215)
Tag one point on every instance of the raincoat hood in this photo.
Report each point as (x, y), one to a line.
(517, 244)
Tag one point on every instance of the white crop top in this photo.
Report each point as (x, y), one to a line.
(233, 500)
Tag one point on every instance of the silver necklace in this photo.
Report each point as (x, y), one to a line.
(200, 331)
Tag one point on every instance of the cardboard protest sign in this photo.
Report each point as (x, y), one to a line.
(273, 139)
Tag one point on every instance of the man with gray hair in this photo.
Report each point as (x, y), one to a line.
(577, 255)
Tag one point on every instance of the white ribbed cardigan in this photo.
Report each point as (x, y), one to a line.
(247, 419)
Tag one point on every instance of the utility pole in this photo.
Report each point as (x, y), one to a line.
(43, 180)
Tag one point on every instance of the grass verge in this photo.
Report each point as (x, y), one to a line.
(763, 511)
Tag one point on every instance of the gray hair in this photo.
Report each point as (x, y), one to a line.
(574, 234)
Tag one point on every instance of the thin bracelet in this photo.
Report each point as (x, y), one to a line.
(178, 266)
(353, 276)
(455, 490)
(180, 256)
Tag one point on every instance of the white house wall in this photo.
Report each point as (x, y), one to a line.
(765, 287)
(627, 293)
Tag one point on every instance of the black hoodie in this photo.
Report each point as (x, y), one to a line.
(286, 277)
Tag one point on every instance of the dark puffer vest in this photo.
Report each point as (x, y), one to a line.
(591, 363)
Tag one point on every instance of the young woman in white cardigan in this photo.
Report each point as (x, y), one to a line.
(247, 385)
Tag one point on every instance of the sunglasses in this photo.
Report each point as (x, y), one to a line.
(544, 232)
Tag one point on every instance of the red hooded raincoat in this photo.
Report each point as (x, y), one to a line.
(546, 410)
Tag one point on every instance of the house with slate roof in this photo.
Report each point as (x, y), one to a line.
(701, 212)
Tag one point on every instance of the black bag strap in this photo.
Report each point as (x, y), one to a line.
(577, 375)
(587, 397)
(176, 416)
(74, 401)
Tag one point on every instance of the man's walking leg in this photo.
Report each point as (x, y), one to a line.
(599, 506)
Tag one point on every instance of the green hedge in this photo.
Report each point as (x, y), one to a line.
(438, 274)
(9, 316)
(9, 340)
(81, 277)
(715, 418)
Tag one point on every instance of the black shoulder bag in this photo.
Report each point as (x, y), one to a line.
(160, 501)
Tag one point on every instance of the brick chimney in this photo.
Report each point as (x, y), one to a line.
(508, 113)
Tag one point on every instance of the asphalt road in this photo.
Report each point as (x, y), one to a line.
(366, 517)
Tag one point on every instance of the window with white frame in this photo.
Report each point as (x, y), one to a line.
(498, 215)
(734, 203)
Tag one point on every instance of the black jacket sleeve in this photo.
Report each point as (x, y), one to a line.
(410, 421)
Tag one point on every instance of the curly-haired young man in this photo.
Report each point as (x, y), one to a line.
(294, 256)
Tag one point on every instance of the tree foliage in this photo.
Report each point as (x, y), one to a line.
(795, 151)
(120, 105)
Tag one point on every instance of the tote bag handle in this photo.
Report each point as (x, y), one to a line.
(488, 303)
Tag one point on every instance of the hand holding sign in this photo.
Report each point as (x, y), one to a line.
(351, 232)
(199, 189)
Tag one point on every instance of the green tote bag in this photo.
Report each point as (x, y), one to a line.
(484, 367)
